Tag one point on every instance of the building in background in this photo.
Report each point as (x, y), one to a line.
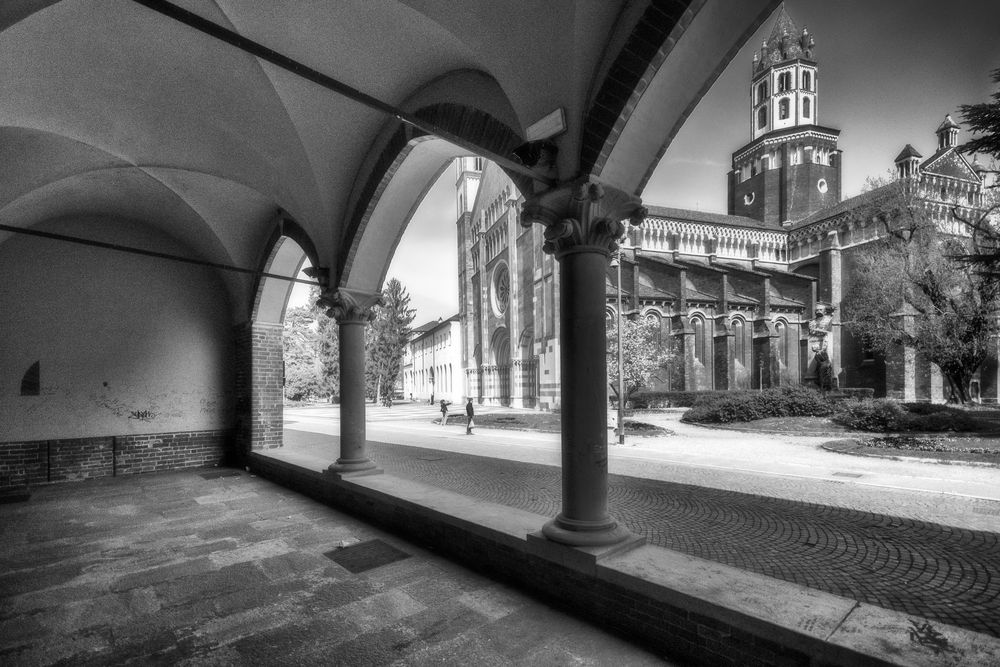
(732, 294)
(432, 363)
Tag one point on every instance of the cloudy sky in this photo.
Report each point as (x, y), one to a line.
(889, 71)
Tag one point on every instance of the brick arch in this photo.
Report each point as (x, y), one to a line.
(473, 125)
(281, 257)
(656, 76)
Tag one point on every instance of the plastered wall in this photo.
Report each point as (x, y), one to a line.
(126, 344)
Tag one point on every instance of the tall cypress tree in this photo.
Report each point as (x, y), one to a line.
(386, 340)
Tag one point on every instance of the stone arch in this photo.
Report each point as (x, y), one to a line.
(406, 162)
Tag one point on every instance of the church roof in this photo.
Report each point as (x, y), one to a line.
(710, 218)
(843, 207)
(907, 152)
(786, 42)
(947, 124)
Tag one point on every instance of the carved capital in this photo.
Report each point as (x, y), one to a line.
(583, 214)
(349, 305)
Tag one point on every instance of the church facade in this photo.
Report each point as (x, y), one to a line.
(745, 300)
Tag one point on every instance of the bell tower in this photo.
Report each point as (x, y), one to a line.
(791, 167)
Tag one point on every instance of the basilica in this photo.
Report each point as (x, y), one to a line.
(744, 300)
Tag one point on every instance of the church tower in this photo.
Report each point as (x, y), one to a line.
(791, 167)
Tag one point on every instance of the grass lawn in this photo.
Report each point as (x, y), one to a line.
(545, 422)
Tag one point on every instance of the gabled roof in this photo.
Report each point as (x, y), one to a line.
(949, 162)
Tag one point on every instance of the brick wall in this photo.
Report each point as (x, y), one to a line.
(23, 463)
(259, 387)
(78, 459)
(267, 404)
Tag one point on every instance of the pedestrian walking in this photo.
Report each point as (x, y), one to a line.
(470, 413)
(444, 411)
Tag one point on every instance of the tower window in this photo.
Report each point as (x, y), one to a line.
(807, 81)
(784, 81)
(783, 109)
(762, 117)
(806, 107)
(761, 91)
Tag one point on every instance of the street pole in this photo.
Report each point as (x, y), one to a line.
(621, 378)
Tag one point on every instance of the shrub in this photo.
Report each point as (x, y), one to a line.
(882, 415)
(670, 399)
(870, 415)
(733, 406)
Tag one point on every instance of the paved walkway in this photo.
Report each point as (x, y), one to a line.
(947, 570)
(234, 570)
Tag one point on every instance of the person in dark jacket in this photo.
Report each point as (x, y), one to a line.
(470, 413)
(444, 412)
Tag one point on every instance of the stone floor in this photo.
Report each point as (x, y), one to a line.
(223, 568)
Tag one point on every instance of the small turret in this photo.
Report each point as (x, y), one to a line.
(807, 43)
(908, 162)
(947, 133)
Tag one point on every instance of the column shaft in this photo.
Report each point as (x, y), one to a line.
(583, 344)
(352, 398)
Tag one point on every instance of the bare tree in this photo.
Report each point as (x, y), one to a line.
(909, 288)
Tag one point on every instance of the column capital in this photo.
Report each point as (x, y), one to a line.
(347, 305)
(582, 214)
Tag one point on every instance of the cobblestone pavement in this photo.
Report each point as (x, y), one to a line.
(947, 574)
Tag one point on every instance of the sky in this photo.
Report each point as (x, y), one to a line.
(888, 72)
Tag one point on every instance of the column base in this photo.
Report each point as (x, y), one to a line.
(352, 465)
(584, 533)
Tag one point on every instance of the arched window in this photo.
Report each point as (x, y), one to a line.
(698, 325)
(781, 329)
(806, 107)
(741, 343)
(762, 117)
(761, 91)
(783, 109)
(656, 323)
(806, 81)
(784, 81)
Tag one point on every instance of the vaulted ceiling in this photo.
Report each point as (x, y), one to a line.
(112, 108)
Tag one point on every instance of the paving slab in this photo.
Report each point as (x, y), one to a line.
(250, 584)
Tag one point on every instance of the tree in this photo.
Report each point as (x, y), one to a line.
(311, 352)
(386, 339)
(984, 120)
(299, 340)
(327, 349)
(642, 355)
(908, 288)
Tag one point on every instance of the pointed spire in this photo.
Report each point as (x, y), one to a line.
(908, 152)
(786, 41)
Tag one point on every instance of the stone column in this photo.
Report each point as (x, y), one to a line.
(353, 310)
(582, 223)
